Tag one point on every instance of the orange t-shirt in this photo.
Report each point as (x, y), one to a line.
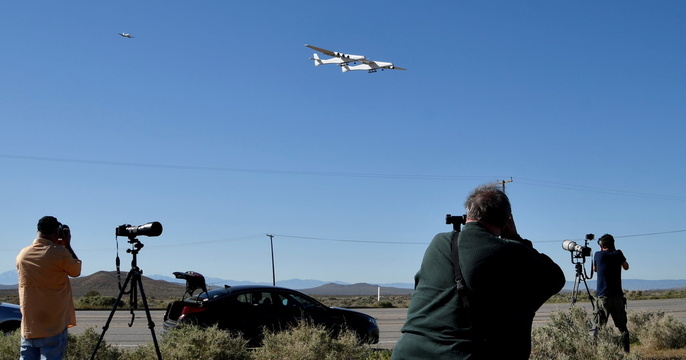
(45, 297)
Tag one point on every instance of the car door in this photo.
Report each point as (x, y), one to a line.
(300, 307)
(236, 313)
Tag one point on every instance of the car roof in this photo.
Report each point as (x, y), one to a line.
(247, 288)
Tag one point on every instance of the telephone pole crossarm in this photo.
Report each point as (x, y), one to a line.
(503, 182)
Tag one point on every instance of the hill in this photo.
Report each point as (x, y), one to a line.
(107, 284)
(355, 289)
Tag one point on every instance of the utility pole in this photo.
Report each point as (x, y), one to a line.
(503, 182)
(271, 241)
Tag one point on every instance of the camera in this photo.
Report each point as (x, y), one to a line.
(62, 231)
(150, 229)
(578, 250)
(455, 220)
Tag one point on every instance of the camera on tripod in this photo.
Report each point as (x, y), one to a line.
(150, 229)
(578, 251)
(455, 221)
(133, 278)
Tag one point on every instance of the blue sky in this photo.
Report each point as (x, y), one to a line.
(213, 121)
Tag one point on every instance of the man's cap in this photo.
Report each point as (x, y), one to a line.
(48, 225)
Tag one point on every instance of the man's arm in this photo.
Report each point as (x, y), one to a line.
(625, 265)
(74, 266)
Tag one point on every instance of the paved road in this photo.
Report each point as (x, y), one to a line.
(390, 321)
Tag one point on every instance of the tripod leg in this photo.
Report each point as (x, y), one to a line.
(590, 297)
(151, 324)
(575, 290)
(109, 319)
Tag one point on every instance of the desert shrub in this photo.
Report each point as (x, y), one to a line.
(98, 302)
(657, 331)
(311, 342)
(380, 355)
(78, 346)
(81, 347)
(567, 336)
(385, 304)
(193, 342)
(9, 344)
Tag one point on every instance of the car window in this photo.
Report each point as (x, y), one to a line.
(287, 299)
(211, 294)
(265, 299)
(244, 298)
(257, 298)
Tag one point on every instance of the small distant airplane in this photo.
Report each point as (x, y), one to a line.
(343, 60)
(126, 35)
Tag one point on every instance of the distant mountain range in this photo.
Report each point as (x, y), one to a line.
(297, 284)
(8, 280)
(106, 283)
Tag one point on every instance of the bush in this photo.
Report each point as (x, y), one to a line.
(98, 302)
(78, 346)
(81, 347)
(380, 355)
(9, 345)
(568, 336)
(385, 304)
(657, 331)
(311, 342)
(193, 342)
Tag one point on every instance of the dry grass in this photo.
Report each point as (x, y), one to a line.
(647, 353)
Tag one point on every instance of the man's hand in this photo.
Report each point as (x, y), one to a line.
(510, 230)
(65, 241)
(65, 238)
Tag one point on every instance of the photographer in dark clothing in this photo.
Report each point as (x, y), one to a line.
(506, 280)
(610, 300)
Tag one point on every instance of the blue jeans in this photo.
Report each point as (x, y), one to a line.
(47, 348)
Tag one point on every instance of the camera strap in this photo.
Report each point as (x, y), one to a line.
(459, 280)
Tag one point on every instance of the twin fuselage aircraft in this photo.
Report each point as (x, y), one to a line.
(348, 62)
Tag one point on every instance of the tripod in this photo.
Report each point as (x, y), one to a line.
(134, 276)
(580, 277)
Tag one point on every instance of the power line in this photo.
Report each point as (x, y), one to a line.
(246, 170)
(526, 181)
(252, 237)
(601, 190)
(624, 236)
(352, 241)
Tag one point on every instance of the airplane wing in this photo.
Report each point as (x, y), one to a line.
(380, 65)
(345, 57)
(323, 51)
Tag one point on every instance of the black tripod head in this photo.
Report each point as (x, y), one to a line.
(136, 246)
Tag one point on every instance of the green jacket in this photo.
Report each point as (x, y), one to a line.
(508, 281)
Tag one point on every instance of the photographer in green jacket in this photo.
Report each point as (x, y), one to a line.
(506, 281)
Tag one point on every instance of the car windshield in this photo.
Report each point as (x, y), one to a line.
(210, 294)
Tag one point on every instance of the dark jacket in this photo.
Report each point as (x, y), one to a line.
(508, 281)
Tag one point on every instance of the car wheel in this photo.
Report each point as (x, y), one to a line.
(9, 326)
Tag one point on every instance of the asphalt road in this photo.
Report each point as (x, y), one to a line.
(390, 321)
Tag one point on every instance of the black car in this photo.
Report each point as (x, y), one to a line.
(10, 317)
(250, 309)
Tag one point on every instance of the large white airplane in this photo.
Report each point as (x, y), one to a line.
(126, 35)
(343, 60)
